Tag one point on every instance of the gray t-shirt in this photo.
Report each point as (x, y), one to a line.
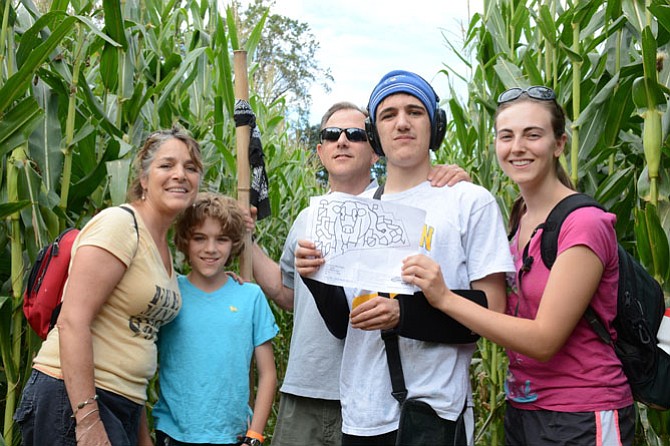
(315, 355)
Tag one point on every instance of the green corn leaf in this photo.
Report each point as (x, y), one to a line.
(649, 54)
(662, 14)
(6, 312)
(45, 141)
(546, 24)
(574, 56)
(509, 73)
(658, 242)
(114, 23)
(118, 172)
(232, 28)
(256, 34)
(642, 240)
(7, 209)
(189, 63)
(17, 84)
(109, 67)
(18, 123)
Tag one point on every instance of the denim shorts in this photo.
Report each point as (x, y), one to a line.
(44, 414)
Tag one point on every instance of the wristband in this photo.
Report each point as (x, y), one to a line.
(256, 435)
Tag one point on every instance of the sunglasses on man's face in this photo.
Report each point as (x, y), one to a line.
(353, 134)
(536, 92)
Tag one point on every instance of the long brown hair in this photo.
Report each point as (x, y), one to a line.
(558, 126)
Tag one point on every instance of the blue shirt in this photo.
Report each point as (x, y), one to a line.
(204, 360)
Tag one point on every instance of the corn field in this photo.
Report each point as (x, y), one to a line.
(84, 82)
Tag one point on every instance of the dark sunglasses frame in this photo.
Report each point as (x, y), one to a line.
(539, 92)
(354, 134)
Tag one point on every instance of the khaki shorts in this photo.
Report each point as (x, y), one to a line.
(307, 422)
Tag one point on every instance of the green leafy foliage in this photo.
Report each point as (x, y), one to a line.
(82, 85)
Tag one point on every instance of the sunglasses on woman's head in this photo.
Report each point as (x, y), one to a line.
(353, 134)
(536, 92)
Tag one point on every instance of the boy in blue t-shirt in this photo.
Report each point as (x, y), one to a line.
(205, 353)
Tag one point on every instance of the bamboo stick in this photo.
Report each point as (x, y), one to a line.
(243, 137)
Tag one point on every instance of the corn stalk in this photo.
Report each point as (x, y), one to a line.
(11, 359)
(69, 123)
(576, 99)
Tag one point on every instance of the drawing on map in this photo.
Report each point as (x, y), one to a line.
(345, 225)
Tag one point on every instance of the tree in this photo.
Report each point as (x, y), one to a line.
(285, 62)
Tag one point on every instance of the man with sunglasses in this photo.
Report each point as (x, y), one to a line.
(464, 234)
(309, 406)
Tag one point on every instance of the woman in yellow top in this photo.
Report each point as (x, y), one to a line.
(89, 379)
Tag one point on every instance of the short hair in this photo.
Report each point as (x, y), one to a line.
(219, 207)
(344, 105)
(147, 154)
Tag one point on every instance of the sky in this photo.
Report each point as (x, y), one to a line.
(361, 40)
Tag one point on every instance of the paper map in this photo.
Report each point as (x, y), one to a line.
(364, 241)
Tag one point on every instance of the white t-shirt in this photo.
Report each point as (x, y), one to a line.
(469, 242)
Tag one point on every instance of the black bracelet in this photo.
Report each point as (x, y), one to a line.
(251, 441)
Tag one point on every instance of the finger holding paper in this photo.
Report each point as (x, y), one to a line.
(308, 258)
(425, 273)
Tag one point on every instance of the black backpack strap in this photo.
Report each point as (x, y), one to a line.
(390, 337)
(399, 391)
(132, 212)
(552, 226)
(137, 229)
(549, 247)
(597, 325)
(379, 192)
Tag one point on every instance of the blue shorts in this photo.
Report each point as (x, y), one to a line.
(44, 414)
(549, 428)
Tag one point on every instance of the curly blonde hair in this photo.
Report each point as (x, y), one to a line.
(221, 208)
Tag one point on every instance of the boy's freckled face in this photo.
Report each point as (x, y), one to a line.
(208, 249)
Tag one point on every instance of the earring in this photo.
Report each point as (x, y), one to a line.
(144, 197)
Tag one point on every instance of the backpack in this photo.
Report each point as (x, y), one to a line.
(42, 298)
(640, 310)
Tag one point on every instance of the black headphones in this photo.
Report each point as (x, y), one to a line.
(438, 128)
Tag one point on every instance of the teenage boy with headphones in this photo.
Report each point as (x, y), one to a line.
(464, 233)
(309, 407)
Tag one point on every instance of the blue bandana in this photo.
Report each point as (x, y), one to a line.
(400, 81)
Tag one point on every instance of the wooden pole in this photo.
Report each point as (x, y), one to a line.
(243, 138)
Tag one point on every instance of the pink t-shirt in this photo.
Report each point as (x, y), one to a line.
(585, 374)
